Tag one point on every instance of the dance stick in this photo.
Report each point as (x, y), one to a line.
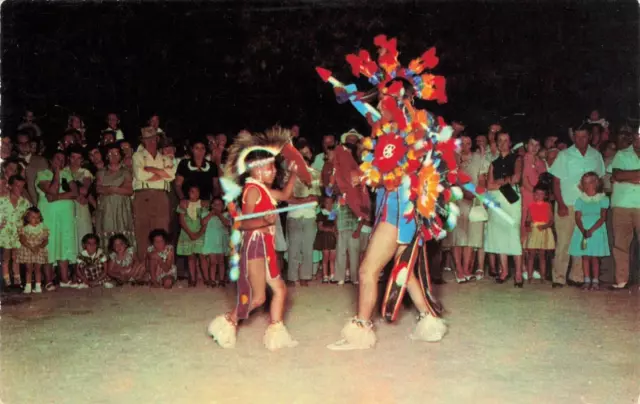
(489, 202)
(273, 212)
(363, 107)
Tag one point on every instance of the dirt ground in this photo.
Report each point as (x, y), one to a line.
(505, 345)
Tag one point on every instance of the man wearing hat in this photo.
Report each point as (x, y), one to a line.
(152, 176)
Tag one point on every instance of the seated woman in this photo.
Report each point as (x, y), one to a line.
(123, 265)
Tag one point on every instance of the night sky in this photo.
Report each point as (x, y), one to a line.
(216, 66)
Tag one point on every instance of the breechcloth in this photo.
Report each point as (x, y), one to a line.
(390, 208)
(255, 245)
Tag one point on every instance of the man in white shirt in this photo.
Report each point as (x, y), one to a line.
(567, 170)
(625, 203)
(112, 124)
(152, 176)
(32, 165)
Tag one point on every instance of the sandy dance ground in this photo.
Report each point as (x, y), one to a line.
(505, 345)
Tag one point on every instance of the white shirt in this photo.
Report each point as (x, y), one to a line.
(318, 162)
(625, 194)
(570, 166)
(300, 190)
(141, 159)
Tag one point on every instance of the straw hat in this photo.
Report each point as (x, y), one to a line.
(147, 132)
(352, 132)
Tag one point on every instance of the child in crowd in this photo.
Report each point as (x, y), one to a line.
(590, 239)
(34, 236)
(326, 239)
(539, 227)
(216, 243)
(190, 241)
(90, 268)
(123, 266)
(13, 207)
(160, 260)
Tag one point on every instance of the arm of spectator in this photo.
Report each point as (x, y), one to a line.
(300, 201)
(52, 187)
(557, 169)
(557, 193)
(170, 172)
(287, 190)
(46, 239)
(578, 217)
(629, 176)
(166, 265)
(139, 171)
(109, 268)
(492, 183)
(599, 223)
(225, 221)
(516, 178)
(177, 186)
(23, 241)
(215, 187)
(549, 224)
(70, 195)
(126, 188)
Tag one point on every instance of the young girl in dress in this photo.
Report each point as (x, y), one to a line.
(34, 237)
(12, 209)
(160, 260)
(590, 240)
(326, 239)
(91, 264)
(258, 264)
(123, 265)
(190, 241)
(216, 243)
(539, 225)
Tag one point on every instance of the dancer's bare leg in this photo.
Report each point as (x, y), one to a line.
(278, 300)
(382, 247)
(257, 275)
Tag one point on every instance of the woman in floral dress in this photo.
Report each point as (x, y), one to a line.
(12, 209)
(114, 188)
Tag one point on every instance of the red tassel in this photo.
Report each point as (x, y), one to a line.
(324, 73)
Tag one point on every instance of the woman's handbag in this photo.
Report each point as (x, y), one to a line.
(509, 193)
(478, 212)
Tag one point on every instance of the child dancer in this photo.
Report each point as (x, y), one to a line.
(160, 260)
(34, 236)
(123, 265)
(590, 240)
(326, 239)
(12, 209)
(190, 241)
(539, 224)
(216, 243)
(249, 157)
(91, 264)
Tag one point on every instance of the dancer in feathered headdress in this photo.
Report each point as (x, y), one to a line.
(249, 173)
(411, 163)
